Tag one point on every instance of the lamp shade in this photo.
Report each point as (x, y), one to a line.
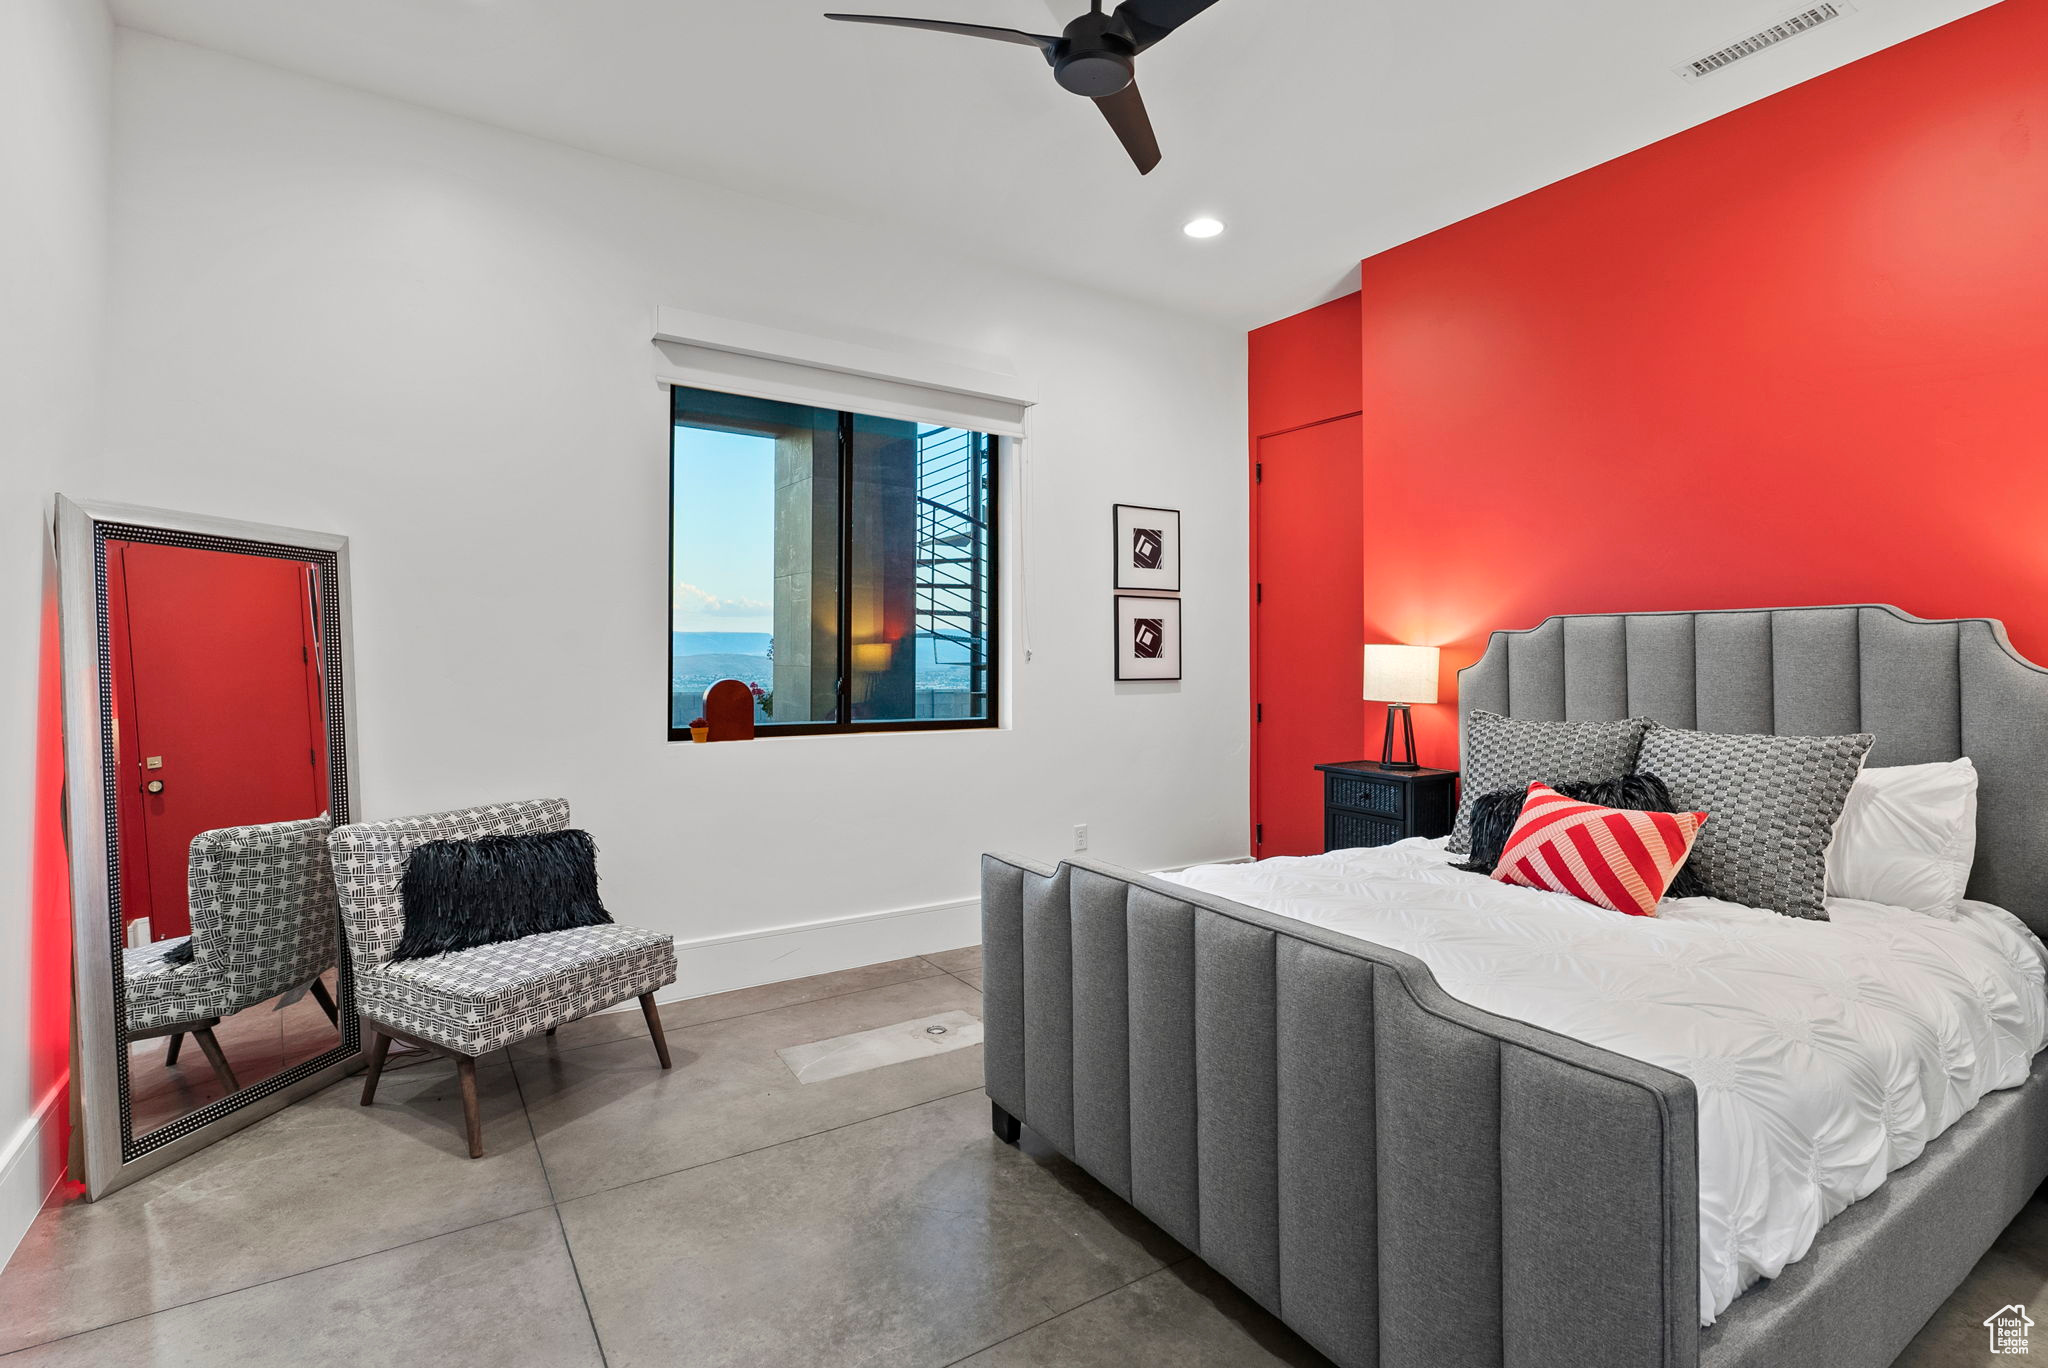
(1401, 674)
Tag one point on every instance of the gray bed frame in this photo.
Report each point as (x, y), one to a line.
(1407, 1180)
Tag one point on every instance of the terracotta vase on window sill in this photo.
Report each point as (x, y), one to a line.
(700, 730)
(729, 711)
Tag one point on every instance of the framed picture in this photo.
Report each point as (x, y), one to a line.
(1147, 637)
(1148, 548)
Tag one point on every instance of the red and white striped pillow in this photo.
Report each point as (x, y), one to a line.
(1609, 857)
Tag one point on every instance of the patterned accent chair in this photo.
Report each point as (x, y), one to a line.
(469, 1002)
(263, 923)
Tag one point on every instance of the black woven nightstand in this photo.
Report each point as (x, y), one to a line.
(1365, 804)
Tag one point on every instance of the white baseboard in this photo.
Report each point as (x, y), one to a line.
(746, 959)
(31, 1164)
(719, 964)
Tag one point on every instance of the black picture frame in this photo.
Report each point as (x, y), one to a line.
(1128, 549)
(1131, 666)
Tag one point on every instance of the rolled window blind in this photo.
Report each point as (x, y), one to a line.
(706, 352)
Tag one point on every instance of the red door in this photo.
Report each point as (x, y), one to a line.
(1307, 627)
(216, 698)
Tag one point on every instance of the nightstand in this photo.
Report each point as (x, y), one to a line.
(1366, 804)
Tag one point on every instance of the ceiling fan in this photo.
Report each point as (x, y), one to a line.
(1092, 57)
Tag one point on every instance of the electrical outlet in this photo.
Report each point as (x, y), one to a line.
(1081, 836)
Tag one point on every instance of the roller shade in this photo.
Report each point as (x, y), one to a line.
(706, 352)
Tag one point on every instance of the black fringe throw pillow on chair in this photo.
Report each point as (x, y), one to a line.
(1494, 814)
(462, 894)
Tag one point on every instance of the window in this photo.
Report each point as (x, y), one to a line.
(841, 565)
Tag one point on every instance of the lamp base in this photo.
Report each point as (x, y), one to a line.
(1387, 760)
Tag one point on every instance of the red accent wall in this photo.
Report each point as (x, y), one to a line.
(1304, 369)
(1304, 376)
(49, 932)
(1795, 355)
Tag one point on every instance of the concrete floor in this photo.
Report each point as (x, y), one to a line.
(718, 1214)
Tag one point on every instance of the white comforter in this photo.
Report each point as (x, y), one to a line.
(1826, 1054)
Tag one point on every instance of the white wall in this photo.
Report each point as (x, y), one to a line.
(341, 312)
(53, 170)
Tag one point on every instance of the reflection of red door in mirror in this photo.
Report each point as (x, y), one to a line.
(216, 689)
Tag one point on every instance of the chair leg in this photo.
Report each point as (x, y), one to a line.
(551, 1030)
(472, 1116)
(653, 1015)
(171, 1055)
(380, 1045)
(204, 1035)
(326, 1001)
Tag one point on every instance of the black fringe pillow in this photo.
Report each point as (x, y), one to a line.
(462, 894)
(1494, 814)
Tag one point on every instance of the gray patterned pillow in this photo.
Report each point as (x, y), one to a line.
(1507, 752)
(1771, 805)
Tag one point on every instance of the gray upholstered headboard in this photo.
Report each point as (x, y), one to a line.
(1928, 690)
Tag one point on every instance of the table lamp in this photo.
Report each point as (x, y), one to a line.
(1398, 676)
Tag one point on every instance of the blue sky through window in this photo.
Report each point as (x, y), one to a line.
(724, 563)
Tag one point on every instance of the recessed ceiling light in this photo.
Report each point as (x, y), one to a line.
(1202, 227)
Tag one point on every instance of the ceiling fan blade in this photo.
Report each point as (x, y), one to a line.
(1151, 20)
(1001, 35)
(1125, 111)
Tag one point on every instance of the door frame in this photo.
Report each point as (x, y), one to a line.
(129, 805)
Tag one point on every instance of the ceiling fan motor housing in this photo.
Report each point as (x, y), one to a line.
(1094, 56)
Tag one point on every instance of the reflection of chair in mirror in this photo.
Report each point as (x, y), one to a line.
(263, 919)
(468, 1003)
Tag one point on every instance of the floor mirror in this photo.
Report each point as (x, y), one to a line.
(208, 712)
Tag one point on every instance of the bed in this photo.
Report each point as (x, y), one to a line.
(1406, 1178)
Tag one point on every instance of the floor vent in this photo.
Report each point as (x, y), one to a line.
(1803, 22)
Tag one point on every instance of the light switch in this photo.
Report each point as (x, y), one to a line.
(153, 762)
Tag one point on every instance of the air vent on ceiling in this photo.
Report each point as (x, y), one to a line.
(1803, 22)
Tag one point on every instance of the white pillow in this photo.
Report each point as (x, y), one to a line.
(1907, 837)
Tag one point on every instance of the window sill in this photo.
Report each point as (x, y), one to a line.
(834, 734)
